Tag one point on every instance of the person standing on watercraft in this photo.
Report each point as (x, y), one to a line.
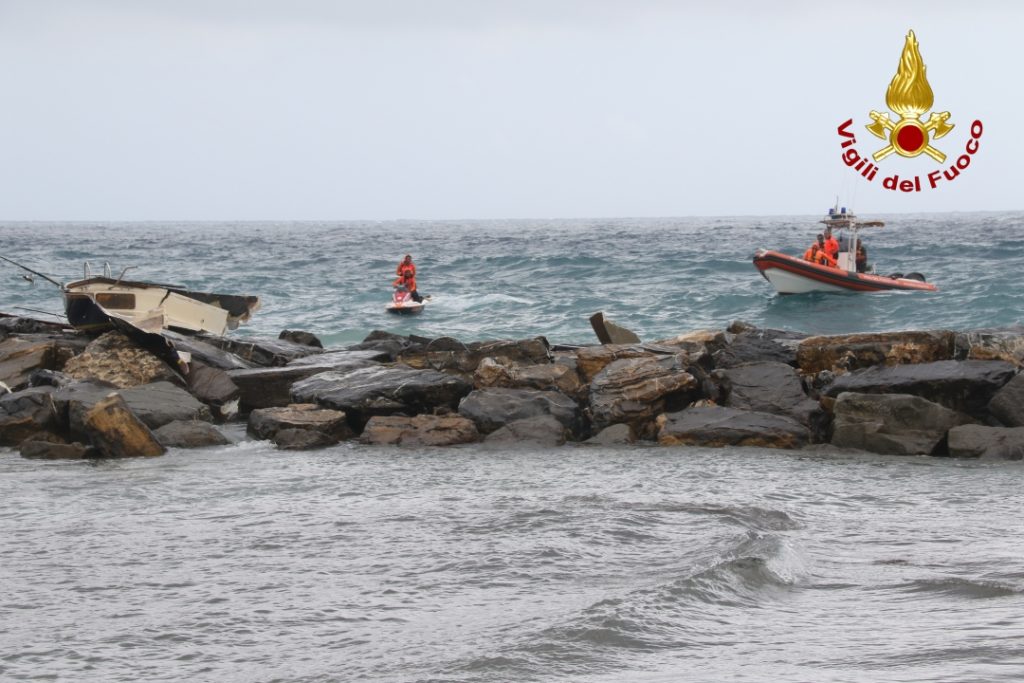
(831, 244)
(407, 281)
(404, 265)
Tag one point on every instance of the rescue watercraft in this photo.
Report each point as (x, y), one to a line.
(793, 275)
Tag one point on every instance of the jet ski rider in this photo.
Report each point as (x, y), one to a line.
(407, 282)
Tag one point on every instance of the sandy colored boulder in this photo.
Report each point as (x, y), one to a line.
(420, 430)
(116, 359)
(855, 351)
(117, 433)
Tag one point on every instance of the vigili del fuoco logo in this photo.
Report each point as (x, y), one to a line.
(909, 97)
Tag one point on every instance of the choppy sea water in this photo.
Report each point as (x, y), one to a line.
(243, 563)
(492, 279)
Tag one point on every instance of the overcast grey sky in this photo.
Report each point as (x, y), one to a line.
(332, 109)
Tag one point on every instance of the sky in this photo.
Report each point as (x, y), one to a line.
(454, 109)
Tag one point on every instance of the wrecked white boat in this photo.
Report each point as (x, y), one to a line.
(89, 304)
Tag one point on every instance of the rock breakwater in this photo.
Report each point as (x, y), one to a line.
(932, 392)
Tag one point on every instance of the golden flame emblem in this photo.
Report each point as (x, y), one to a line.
(910, 96)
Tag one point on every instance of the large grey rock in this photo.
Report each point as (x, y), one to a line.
(1007, 405)
(49, 450)
(494, 408)
(963, 386)
(769, 387)
(302, 440)
(392, 345)
(756, 346)
(856, 351)
(161, 402)
(719, 426)
(533, 432)
(192, 434)
(301, 337)
(893, 424)
(978, 441)
(206, 353)
(634, 391)
(615, 435)
(420, 430)
(382, 390)
(263, 353)
(215, 388)
(272, 387)
(26, 414)
(265, 423)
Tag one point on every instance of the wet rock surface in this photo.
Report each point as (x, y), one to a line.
(533, 432)
(191, 434)
(382, 390)
(717, 426)
(991, 443)
(420, 430)
(894, 424)
(491, 409)
(963, 386)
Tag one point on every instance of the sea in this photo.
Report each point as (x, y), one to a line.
(628, 563)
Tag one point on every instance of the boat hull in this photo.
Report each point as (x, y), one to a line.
(791, 275)
(406, 309)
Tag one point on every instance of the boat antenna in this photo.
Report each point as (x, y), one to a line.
(34, 272)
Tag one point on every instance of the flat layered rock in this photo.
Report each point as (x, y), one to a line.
(272, 387)
(994, 443)
(420, 430)
(547, 377)
(963, 386)
(264, 353)
(206, 353)
(893, 424)
(591, 360)
(855, 351)
(496, 407)
(446, 353)
(265, 423)
(382, 390)
(19, 358)
(634, 391)
(717, 426)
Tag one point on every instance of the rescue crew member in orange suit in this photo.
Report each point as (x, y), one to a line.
(406, 264)
(831, 245)
(816, 255)
(407, 280)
